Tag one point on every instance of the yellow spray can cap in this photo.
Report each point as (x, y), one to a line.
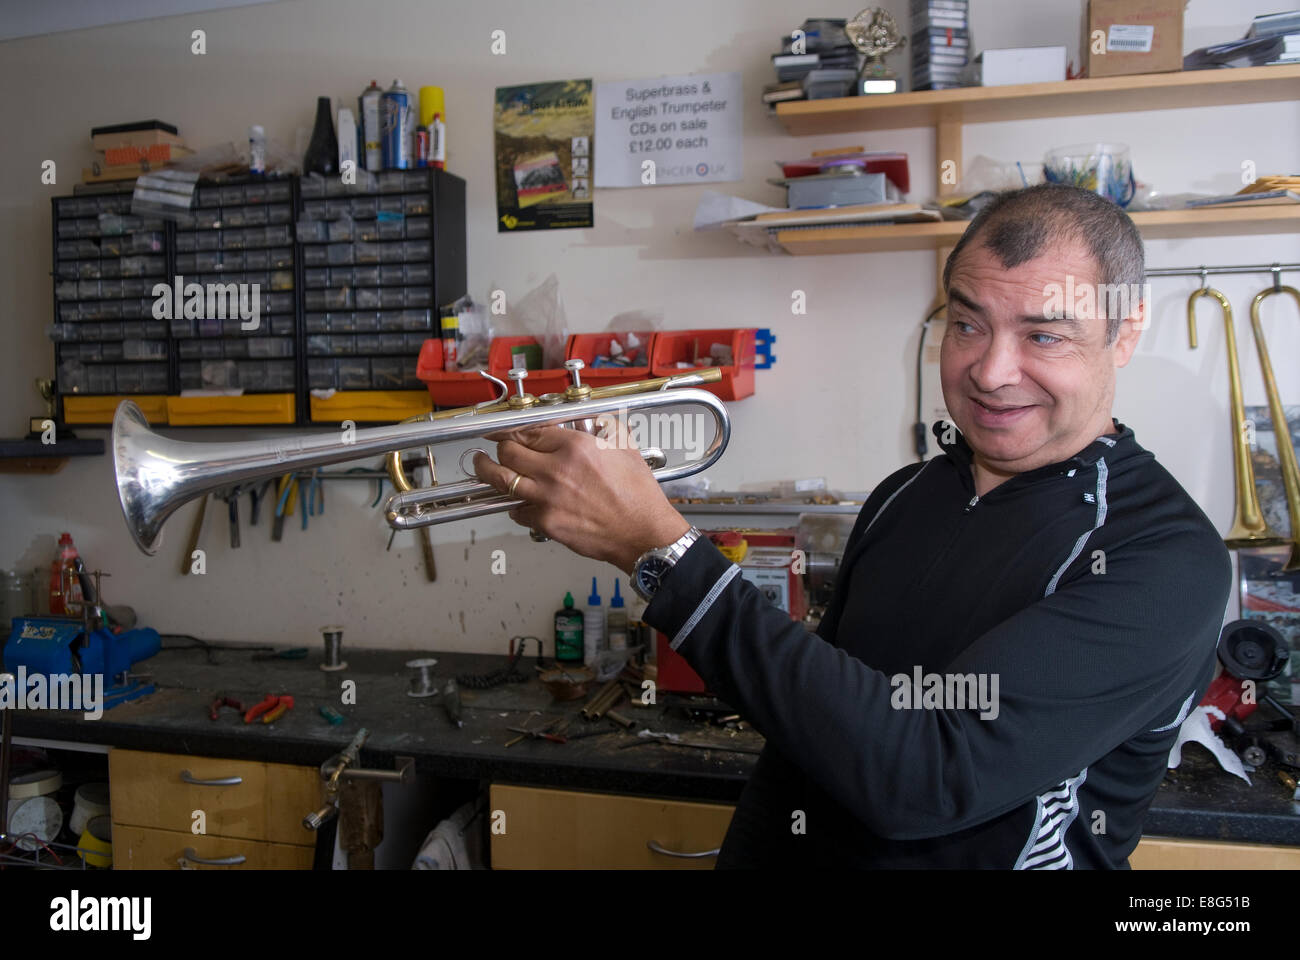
(431, 102)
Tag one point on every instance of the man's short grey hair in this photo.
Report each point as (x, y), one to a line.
(1019, 225)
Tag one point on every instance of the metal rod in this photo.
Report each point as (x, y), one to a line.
(6, 742)
(1197, 271)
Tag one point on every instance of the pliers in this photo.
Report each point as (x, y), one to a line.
(273, 707)
(285, 503)
(314, 498)
(220, 702)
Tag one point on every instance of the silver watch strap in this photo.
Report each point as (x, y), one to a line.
(683, 543)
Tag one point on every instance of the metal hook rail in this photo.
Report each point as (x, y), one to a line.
(1273, 268)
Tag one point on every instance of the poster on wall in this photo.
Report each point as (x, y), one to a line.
(1267, 593)
(544, 155)
(670, 130)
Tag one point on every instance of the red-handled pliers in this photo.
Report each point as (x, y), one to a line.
(273, 706)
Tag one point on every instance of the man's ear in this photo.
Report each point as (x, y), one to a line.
(1130, 329)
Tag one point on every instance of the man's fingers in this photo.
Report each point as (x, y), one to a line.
(489, 471)
(542, 439)
(526, 516)
(503, 478)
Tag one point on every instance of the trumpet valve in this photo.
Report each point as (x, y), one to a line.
(521, 400)
(576, 390)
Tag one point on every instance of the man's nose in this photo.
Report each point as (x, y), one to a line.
(998, 364)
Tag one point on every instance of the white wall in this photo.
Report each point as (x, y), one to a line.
(837, 404)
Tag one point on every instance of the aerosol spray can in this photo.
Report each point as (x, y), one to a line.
(433, 114)
(395, 121)
(368, 108)
(421, 146)
(256, 150)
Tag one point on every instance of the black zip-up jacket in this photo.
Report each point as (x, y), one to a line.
(1093, 590)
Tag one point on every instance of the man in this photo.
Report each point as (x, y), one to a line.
(1044, 557)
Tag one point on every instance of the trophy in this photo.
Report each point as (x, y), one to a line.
(875, 33)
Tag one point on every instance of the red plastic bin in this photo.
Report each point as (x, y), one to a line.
(737, 381)
(587, 346)
(450, 388)
(538, 382)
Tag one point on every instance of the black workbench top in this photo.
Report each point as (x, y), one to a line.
(1197, 800)
(175, 719)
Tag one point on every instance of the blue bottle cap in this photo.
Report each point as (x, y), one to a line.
(594, 599)
(618, 599)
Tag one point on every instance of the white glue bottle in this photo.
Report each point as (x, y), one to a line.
(593, 627)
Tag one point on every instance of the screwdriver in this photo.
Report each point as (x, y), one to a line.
(451, 702)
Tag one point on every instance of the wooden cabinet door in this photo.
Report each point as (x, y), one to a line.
(1167, 853)
(163, 791)
(143, 848)
(562, 829)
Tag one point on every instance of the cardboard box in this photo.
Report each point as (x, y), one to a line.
(1139, 36)
(1014, 65)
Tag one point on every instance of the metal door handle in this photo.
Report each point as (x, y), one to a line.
(220, 782)
(192, 855)
(699, 855)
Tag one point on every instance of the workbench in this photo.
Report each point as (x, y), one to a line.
(1198, 801)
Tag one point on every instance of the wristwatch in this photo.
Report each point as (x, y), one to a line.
(653, 565)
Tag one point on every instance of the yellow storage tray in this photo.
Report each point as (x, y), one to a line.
(78, 409)
(382, 406)
(219, 411)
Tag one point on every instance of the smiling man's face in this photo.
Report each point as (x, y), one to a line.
(1026, 391)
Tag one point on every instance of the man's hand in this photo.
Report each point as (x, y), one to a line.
(595, 496)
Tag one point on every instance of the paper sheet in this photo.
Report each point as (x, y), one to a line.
(1197, 728)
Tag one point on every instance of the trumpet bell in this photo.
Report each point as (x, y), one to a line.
(135, 463)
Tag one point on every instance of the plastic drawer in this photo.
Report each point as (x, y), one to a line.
(454, 388)
(674, 346)
(322, 374)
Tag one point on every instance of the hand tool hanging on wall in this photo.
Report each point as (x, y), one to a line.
(255, 493)
(286, 498)
(232, 509)
(196, 529)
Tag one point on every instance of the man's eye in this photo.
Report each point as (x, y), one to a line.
(1045, 339)
(961, 326)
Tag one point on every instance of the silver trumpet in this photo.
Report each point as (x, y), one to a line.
(156, 475)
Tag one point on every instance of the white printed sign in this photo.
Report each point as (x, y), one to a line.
(669, 130)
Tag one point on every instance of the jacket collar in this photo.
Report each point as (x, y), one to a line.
(1113, 446)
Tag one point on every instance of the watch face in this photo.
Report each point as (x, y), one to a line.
(651, 571)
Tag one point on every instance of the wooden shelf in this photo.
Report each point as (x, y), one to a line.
(1155, 225)
(1148, 91)
(31, 456)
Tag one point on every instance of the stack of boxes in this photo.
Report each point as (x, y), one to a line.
(125, 151)
(816, 61)
(940, 43)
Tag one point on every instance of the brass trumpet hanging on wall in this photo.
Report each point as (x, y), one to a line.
(1286, 457)
(1249, 528)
